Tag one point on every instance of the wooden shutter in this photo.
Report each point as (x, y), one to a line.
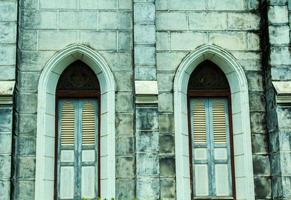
(88, 123)
(219, 121)
(68, 124)
(199, 122)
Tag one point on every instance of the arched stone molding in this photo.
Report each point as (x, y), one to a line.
(45, 141)
(240, 117)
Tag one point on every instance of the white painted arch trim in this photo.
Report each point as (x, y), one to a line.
(44, 183)
(240, 117)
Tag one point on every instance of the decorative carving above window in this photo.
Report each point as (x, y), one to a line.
(78, 76)
(208, 76)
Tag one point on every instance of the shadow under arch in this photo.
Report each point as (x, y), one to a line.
(45, 139)
(240, 117)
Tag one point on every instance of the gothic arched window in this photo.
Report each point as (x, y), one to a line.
(210, 134)
(77, 171)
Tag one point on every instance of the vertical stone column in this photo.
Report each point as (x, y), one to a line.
(147, 129)
(278, 96)
(8, 29)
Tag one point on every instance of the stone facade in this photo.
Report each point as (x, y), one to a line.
(146, 40)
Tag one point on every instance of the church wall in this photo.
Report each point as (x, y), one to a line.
(233, 25)
(8, 28)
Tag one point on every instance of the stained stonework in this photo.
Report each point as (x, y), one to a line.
(146, 40)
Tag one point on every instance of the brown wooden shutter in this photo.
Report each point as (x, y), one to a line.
(68, 124)
(199, 122)
(88, 123)
(219, 122)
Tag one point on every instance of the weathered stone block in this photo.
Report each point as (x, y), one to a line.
(28, 4)
(28, 80)
(32, 60)
(280, 56)
(163, 41)
(166, 123)
(147, 118)
(47, 20)
(278, 14)
(255, 81)
(207, 21)
(281, 73)
(168, 188)
(55, 40)
(279, 35)
(148, 188)
(259, 143)
(226, 5)
(186, 5)
(145, 73)
(99, 40)
(124, 124)
(243, 21)
(28, 40)
(144, 34)
(285, 163)
(26, 124)
(147, 141)
(144, 13)
(121, 61)
(66, 4)
(114, 20)
(169, 60)
(161, 4)
(167, 166)
(26, 167)
(144, 55)
(107, 4)
(187, 40)
(124, 81)
(7, 54)
(147, 164)
(24, 190)
(263, 187)
(258, 122)
(253, 41)
(88, 4)
(8, 11)
(165, 81)
(125, 4)
(87, 20)
(5, 190)
(124, 146)
(5, 143)
(167, 144)
(171, 21)
(285, 140)
(26, 146)
(125, 189)
(125, 167)
(8, 32)
(5, 119)
(27, 103)
(166, 102)
(230, 41)
(261, 165)
(7, 73)
(125, 41)
(124, 101)
(284, 117)
(5, 167)
(257, 101)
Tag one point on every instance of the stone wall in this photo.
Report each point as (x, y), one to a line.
(278, 70)
(46, 27)
(234, 25)
(8, 26)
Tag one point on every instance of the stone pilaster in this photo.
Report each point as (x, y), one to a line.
(279, 109)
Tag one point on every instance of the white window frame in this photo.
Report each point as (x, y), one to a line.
(45, 141)
(244, 179)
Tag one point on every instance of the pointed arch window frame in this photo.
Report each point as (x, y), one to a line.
(240, 117)
(45, 145)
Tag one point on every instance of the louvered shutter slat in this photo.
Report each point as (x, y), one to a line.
(199, 122)
(88, 124)
(68, 124)
(219, 122)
